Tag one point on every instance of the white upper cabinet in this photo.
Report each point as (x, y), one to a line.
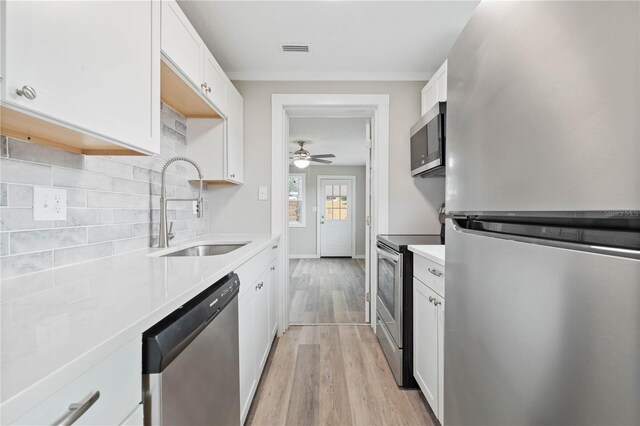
(215, 82)
(83, 76)
(196, 86)
(181, 43)
(235, 135)
(435, 90)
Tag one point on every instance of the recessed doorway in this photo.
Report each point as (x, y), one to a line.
(327, 219)
(303, 207)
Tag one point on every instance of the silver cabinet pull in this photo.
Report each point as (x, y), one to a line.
(208, 89)
(27, 91)
(77, 409)
(275, 247)
(273, 268)
(437, 302)
(233, 175)
(435, 272)
(431, 299)
(259, 285)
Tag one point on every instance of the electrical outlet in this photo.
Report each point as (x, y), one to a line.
(262, 193)
(49, 203)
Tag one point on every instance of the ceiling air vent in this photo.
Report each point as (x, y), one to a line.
(296, 48)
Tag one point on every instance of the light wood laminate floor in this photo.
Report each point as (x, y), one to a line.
(326, 291)
(333, 375)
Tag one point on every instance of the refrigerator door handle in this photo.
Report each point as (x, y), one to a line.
(585, 247)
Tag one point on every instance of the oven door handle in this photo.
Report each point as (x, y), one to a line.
(394, 257)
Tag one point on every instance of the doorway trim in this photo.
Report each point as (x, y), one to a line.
(284, 106)
(354, 206)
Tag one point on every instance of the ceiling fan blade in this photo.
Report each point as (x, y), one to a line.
(323, 156)
(316, 160)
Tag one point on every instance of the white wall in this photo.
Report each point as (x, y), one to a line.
(413, 203)
(303, 241)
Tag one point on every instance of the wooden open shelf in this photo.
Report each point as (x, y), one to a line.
(19, 125)
(180, 95)
(213, 182)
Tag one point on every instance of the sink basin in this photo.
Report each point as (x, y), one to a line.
(205, 250)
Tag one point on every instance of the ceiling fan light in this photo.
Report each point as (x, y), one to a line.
(301, 164)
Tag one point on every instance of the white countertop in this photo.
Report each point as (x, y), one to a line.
(434, 253)
(57, 324)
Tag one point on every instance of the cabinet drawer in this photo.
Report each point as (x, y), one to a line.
(251, 270)
(430, 273)
(118, 378)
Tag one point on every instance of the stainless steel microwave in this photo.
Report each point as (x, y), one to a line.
(428, 141)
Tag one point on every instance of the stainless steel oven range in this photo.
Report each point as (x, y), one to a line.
(394, 302)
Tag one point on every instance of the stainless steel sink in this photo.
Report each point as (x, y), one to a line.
(206, 250)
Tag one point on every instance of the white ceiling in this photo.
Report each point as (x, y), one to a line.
(343, 137)
(350, 40)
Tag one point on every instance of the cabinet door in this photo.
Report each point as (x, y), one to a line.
(425, 343)
(235, 135)
(248, 373)
(440, 412)
(94, 66)
(441, 83)
(262, 335)
(273, 300)
(181, 43)
(429, 96)
(216, 82)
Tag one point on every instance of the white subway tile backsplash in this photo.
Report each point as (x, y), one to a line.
(4, 243)
(11, 266)
(108, 199)
(19, 195)
(84, 217)
(22, 172)
(46, 239)
(130, 244)
(129, 186)
(98, 234)
(19, 219)
(112, 202)
(44, 155)
(76, 198)
(68, 256)
(108, 167)
(131, 215)
(80, 179)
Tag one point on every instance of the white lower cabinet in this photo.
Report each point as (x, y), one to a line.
(273, 298)
(428, 332)
(257, 322)
(117, 379)
(425, 342)
(261, 329)
(248, 376)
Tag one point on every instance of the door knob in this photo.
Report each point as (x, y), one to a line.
(27, 91)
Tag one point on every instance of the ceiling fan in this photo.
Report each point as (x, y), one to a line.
(302, 158)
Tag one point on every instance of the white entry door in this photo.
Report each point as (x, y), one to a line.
(336, 217)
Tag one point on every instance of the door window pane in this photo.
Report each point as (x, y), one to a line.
(297, 189)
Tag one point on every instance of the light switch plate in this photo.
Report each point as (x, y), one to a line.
(49, 203)
(262, 193)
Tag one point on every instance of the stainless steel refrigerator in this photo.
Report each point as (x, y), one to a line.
(543, 200)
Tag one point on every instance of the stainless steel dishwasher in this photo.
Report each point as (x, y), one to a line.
(190, 361)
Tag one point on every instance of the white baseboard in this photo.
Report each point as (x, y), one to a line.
(303, 256)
